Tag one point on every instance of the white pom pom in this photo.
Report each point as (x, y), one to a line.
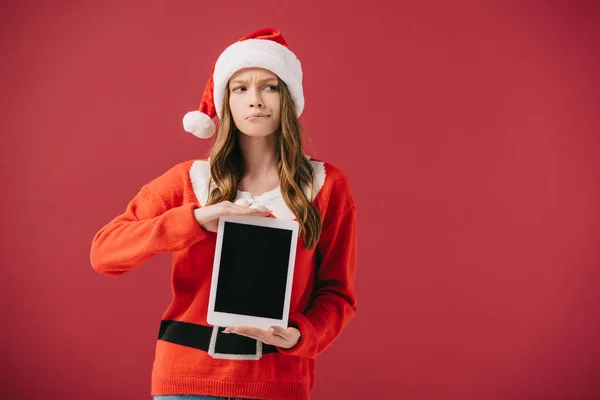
(198, 124)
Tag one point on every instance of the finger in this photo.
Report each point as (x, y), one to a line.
(238, 209)
(267, 338)
(251, 333)
(252, 211)
(249, 330)
(279, 331)
(249, 336)
(263, 211)
(256, 208)
(255, 333)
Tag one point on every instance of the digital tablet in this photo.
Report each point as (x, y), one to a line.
(252, 272)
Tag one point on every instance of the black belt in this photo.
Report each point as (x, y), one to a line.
(213, 340)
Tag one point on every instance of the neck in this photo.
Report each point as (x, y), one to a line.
(259, 155)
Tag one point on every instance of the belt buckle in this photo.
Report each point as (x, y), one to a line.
(214, 354)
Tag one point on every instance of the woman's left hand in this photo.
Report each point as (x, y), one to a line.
(277, 336)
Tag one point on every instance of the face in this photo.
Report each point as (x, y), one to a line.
(255, 101)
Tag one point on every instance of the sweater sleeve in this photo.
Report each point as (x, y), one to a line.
(148, 226)
(334, 302)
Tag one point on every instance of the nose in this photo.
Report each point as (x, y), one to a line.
(255, 98)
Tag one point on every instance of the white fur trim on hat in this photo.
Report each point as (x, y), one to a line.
(259, 53)
(198, 124)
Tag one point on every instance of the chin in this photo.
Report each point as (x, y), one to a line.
(258, 132)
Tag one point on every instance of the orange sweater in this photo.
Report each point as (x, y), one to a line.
(160, 219)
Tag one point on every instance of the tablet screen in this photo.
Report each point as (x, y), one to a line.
(253, 270)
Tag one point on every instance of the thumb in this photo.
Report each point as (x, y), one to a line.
(279, 331)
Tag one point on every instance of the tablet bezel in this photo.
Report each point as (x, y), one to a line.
(224, 319)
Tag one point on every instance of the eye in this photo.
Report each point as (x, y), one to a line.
(272, 88)
(238, 89)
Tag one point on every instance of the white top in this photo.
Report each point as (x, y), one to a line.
(273, 200)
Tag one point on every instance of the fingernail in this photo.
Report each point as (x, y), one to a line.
(270, 330)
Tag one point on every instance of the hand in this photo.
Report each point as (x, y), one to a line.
(277, 336)
(208, 217)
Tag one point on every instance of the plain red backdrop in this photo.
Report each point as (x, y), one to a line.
(470, 133)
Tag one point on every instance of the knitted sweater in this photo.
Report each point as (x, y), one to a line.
(160, 219)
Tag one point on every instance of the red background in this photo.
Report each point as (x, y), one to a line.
(470, 133)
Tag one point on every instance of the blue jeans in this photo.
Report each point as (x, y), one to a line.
(192, 397)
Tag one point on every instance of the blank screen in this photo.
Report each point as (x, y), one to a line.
(253, 270)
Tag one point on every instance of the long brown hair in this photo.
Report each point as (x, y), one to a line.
(295, 171)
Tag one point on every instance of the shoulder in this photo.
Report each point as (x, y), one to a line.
(173, 176)
(198, 168)
(332, 173)
(334, 187)
(331, 183)
(173, 183)
(199, 176)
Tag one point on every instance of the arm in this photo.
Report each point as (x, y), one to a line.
(147, 227)
(334, 301)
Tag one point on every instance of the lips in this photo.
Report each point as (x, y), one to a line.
(256, 115)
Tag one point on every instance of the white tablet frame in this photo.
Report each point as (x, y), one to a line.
(223, 319)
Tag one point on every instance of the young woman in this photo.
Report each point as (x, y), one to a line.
(256, 167)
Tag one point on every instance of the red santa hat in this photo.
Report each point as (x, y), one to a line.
(265, 48)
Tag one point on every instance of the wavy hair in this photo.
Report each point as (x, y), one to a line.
(295, 171)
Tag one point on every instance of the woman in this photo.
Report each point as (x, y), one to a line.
(256, 167)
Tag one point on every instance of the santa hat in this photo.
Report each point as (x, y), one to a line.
(265, 48)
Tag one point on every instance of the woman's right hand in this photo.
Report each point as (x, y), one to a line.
(208, 217)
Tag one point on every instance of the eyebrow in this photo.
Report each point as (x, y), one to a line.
(238, 81)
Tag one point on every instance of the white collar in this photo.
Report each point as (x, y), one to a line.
(200, 178)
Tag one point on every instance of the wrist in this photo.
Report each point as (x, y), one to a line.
(299, 336)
